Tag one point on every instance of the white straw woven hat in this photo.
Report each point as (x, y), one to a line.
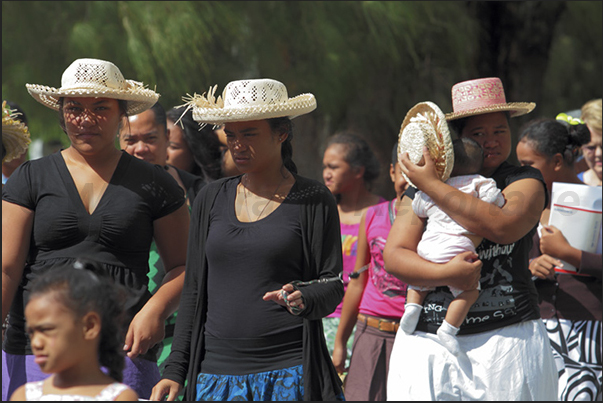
(484, 95)
(15, 134)
(95, 78)
(247, 100)
(425, 125)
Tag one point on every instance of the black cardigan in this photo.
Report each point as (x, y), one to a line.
(323, 259)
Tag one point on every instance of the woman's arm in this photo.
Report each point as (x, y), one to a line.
(17, 224)
(401, 259)
(352, 299)
(525, 200)
(148, 326)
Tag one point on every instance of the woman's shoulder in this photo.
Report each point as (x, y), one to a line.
(311, 187)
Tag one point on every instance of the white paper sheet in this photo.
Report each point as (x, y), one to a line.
(576, 211)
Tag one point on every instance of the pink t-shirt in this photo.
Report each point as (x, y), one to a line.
(384, 295)
(349, 245)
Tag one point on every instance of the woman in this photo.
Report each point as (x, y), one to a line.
(374, 303)
(570, 305)
(263, 263)
(191, 148)
(505, 353)
(349, 168)
(92, 199)
(591, 115)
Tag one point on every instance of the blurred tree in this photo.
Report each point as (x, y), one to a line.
(367, 62)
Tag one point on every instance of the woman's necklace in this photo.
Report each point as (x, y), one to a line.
(266, 205)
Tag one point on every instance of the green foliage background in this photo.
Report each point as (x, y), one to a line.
(367, 62)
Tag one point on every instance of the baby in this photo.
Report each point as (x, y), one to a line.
(444, 238)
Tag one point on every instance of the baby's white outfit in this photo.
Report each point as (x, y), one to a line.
(444, 238)
(33, 392)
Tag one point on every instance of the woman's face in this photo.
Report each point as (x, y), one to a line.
(527, 156)
(91, 123)
(178, 152)
(337, 173)
(592, 152)
(253, 145)
(492, 132)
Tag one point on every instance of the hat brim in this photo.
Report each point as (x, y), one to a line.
(515, 109)
(138, 98)
(428, 128)
(292, 108)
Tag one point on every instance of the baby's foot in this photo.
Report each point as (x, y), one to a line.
(410, 318)
(447, 335)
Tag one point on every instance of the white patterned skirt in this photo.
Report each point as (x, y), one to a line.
(577, 349)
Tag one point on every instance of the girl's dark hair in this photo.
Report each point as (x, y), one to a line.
(123, 108)
(358, 154)
(285, 126)
(468, 156)
(549, 137)
(202, 141)
(82, 287)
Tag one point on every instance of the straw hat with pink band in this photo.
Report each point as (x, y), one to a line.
(484, 95)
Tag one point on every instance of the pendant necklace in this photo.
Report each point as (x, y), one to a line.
(266, 205)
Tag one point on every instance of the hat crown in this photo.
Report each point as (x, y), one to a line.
(473, 94)
(258, 92)
(93, 73)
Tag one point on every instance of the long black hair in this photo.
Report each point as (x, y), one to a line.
(285, 126)
(202, 141)
(82, 288)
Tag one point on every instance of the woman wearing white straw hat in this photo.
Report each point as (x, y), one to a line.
(263, 265)
(92, 199)
(504, 349)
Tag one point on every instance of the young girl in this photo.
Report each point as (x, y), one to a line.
(75, 323)
(373, 303)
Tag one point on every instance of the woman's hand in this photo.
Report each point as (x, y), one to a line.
(421, 174)
(288, 297)
(543, 266)
(552, 241)
(146, 329)
(165, 387)
(464, 271)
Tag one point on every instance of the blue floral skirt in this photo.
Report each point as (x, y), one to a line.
(278, 385)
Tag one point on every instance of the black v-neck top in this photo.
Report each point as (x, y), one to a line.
(117, 234)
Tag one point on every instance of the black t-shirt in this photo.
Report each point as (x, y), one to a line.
(117, 234)
(507, 293)
(246, 260)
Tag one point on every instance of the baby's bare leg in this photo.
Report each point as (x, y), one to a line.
(455, 316)
(412, 309)
(459, 307)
